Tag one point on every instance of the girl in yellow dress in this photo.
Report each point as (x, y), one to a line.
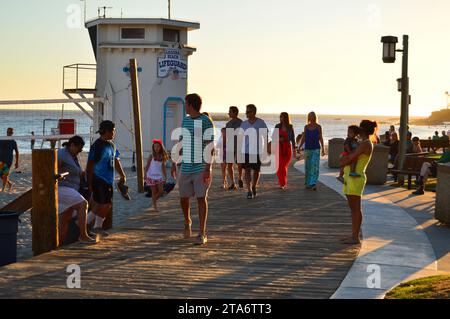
(354, 186)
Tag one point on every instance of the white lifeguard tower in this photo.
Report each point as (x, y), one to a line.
(161, 49)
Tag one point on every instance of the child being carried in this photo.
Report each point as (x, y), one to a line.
(350, 145)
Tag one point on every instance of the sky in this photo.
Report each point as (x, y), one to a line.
(284, 55)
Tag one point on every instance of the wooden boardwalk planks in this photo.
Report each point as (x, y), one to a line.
(283, 244)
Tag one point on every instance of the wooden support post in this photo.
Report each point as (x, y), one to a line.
(137, 125)
(44, 214)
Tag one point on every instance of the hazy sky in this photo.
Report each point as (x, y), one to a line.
(285, 55)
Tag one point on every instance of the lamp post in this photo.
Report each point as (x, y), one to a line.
(389, 51)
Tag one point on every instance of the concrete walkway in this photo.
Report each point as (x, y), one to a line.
(393, 243)
(421, 208)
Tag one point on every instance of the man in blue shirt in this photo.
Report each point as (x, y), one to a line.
(195, 177)
(103, 159)
(7, 149)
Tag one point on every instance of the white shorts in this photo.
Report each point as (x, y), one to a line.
(192, 185)
(68, 197)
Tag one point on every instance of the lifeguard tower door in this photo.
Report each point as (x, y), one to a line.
(174, 112)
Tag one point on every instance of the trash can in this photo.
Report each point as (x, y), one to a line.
(442, 210)
(335, 149)
(8, 237)
(377, 169)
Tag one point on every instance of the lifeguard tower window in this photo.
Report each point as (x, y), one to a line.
(171, 35)
(132, 33)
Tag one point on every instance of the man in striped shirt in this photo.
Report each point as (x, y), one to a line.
(195, 178)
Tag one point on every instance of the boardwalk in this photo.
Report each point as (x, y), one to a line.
(283, 244)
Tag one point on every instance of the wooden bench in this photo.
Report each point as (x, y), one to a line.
(434, 145)
(412, 166)
(21, 204)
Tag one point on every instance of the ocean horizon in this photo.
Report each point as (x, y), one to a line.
(334, 125)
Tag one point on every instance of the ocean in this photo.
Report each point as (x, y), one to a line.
(42, 122)
(335, 126)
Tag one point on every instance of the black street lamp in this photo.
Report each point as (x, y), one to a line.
(389, 43)
(389, 51)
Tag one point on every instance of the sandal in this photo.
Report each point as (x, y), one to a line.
(90, 241)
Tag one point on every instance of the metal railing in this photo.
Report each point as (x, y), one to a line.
(79, 76)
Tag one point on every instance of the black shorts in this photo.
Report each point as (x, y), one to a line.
(251, 164)
(102, 192)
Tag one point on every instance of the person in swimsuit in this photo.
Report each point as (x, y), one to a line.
(354, 186)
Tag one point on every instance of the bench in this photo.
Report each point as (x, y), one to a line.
(434, 145)
(411, 167)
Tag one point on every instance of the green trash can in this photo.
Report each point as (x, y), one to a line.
(9, 226)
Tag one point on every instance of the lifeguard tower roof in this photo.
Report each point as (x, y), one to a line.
(138, 33)
(190, 26)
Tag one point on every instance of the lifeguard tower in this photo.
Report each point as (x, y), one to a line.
(161, 49)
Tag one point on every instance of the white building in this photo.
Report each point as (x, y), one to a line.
(161, 49)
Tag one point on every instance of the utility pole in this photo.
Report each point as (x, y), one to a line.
(137, 123)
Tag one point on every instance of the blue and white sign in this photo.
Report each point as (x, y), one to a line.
(172, 65)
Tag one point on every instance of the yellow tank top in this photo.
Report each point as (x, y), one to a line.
(361, 165)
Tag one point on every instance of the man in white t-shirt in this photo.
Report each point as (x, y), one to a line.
(255, 140)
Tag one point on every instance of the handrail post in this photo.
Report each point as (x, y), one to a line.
(44, 215)
(77, 77)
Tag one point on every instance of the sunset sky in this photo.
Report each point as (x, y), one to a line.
(285, 55)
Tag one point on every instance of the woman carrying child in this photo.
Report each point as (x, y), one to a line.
(155, 171)
(354, 186)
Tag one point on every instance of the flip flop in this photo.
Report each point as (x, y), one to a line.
(123, 189)
(91, 241)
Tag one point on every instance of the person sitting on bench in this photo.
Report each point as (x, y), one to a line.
(70, 202)
(430, 168)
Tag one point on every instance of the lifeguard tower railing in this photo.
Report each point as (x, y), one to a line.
(79, 81)
(79, 78)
